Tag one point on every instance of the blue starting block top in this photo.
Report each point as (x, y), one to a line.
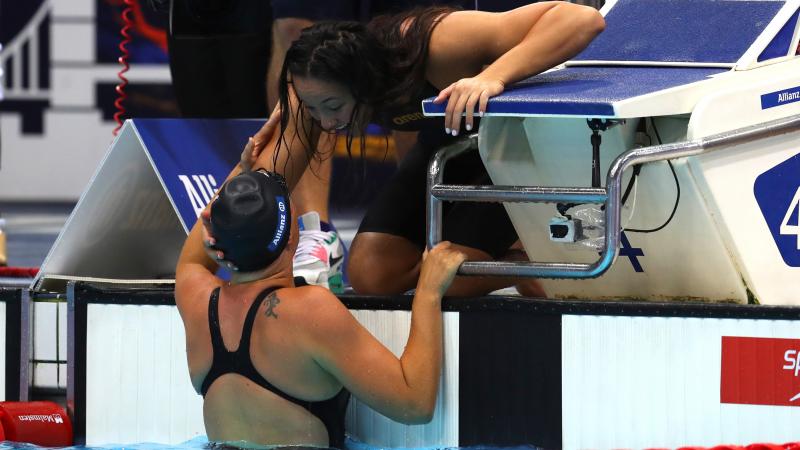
(584, 91)
(690, 31)
(650, 46)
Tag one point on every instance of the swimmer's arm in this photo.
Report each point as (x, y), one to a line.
(194, 273)
(260, 153)
(504, 48)
(540, 39)
(288, 156)
(403, 389)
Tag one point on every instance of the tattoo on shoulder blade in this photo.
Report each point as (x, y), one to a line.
(272, 302)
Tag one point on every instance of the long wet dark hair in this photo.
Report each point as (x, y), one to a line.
(382, 64)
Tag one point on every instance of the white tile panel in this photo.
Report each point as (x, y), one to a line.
(137, 378)
(46, 343)
(636, 382)
(366, 425)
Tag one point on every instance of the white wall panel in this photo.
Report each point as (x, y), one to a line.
(46, 344)
(392, 329)
(635, 382)
(137, 379)
(66, 40)
(73, 9)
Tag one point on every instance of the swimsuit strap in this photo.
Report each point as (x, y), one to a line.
(247, 328)
(213, 323)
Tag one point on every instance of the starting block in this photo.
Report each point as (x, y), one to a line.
(667, 77)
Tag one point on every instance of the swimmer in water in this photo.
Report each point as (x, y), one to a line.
(276, 363)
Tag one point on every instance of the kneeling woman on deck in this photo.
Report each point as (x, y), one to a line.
(299, 350)
(342, 75)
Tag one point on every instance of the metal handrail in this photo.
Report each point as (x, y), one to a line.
(610, 196)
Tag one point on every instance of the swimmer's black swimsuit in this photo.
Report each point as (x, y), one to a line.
(399, 207)
(409, 117)
(331, 412)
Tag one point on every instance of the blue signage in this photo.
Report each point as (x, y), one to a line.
(194, 156)
(777, 192)
(779, 98)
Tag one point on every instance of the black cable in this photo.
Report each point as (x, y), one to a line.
(636, 169)
(677, 188)
(641, 127)
(563, 207)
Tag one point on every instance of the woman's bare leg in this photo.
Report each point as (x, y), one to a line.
(385, 264)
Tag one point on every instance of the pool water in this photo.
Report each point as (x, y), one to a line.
(201, 442)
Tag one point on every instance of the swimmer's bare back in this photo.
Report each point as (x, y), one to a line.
(308, 345)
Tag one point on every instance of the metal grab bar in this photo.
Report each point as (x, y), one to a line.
(610, 196)
(517, 194)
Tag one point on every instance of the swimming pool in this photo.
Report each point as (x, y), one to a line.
(201, 442)
(196, 443)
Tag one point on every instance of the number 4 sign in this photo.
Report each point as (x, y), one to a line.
(777, 192)
(792, 215)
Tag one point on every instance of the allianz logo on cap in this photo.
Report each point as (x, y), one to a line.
(200, 189)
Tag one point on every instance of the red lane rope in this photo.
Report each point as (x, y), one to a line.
(787, 446)
(123, 60)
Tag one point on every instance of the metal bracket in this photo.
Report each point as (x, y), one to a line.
(610, 196)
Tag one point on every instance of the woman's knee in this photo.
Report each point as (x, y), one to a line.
(382, 264)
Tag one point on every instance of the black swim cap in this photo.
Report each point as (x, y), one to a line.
(251, 220)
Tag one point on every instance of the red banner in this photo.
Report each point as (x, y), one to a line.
(760, 371)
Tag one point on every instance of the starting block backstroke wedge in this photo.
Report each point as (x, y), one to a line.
(131, 221)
